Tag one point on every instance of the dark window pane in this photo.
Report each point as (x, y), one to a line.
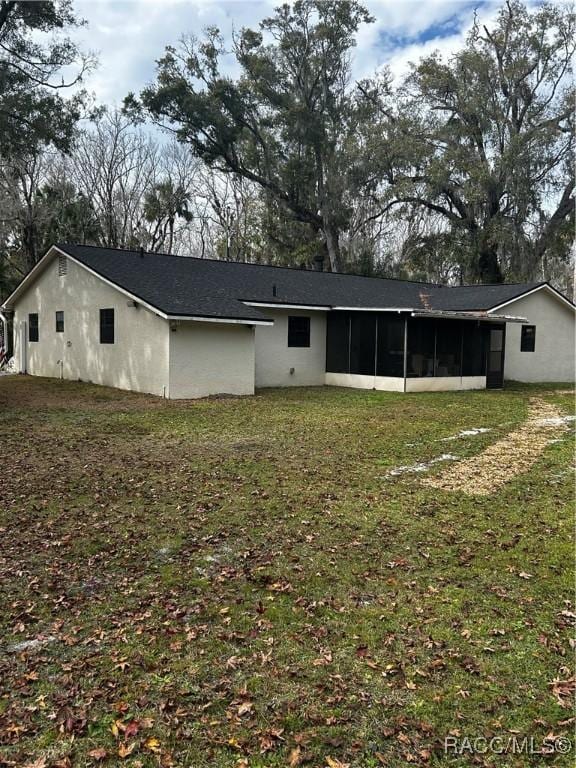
(106, 326)
(298, 331)
(338, 342)
(33, 326)
(363, 343)
(473, 350)
(390, 357)
(59, 322)
(421, 335)
(528, 338)
(448, 347)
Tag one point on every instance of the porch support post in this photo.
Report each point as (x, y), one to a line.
(405, 349)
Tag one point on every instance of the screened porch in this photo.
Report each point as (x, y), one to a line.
(398, 345)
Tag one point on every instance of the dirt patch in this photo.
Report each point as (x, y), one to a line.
(502, 461)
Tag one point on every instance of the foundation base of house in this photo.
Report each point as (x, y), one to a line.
(396, 384)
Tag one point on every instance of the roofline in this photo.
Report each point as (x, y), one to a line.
(556, 293)
(265, 305)
(214, 319)
(374, 309)
(31, 276)
(28, 278)
(480, 316)
(255, 264)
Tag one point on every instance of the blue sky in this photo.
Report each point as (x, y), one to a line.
(129, 35)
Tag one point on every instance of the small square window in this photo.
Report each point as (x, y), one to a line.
(33, 327)
(106, 326)
(59, 321)
(528, 338)
(298, 331)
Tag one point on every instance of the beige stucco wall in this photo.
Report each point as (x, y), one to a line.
(211, 358)
(274, 358)
(138, 360)
(553, 357)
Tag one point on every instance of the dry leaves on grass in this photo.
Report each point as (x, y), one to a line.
(502, 461)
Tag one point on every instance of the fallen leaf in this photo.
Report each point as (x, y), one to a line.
(152, 744)
(332, 762)
(124, 750)
(295, 757)
(244, 708)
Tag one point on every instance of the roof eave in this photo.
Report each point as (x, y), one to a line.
(465, 315)
(546, 286)
(217, 319)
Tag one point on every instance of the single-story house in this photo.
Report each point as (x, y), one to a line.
(184, 327)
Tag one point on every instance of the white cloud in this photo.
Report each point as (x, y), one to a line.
(130, 35)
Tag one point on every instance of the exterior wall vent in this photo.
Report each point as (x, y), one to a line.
(62, 265)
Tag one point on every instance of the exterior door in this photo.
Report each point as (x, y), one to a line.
(495, 367)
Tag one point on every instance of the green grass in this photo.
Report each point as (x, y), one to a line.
(238, 582)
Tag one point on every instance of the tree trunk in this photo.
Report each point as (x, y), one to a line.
(332, 248)
(488, 268)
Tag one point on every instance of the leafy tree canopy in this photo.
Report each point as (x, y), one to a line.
(33, 110)
(287, 122)
(485, 140)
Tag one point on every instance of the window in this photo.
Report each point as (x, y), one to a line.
(528, 338)
(33, 327)
(106, 326)
(62, 265)
(298, 331)
(59, 322)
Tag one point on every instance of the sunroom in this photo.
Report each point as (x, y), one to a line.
(415, 351)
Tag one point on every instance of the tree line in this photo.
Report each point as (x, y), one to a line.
(459, 172)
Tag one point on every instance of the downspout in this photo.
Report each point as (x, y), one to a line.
(405, 350)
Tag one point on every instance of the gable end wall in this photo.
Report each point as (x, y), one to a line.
(553, 357)
(138, 359)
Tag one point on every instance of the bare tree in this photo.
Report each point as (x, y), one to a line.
(114, 164)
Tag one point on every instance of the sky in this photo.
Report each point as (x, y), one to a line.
(128, 36)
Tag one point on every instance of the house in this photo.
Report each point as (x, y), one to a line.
(185, 327)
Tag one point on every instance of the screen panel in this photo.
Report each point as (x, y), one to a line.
(338, 342)
(390, 352)
(363, 343)
(448, 347)
(473, 349)
(421, 342)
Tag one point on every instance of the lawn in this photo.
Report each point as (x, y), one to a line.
(242, 582)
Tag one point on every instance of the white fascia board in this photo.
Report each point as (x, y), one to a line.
(29, 278)
(132, 296)
(549, 288)
(507, 319)
(375, 309)
(235, 321)
(447, 315)
(308, 307)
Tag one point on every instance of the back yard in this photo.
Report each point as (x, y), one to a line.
(283, 580)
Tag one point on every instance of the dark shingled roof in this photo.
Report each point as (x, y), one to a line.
(179, 285)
